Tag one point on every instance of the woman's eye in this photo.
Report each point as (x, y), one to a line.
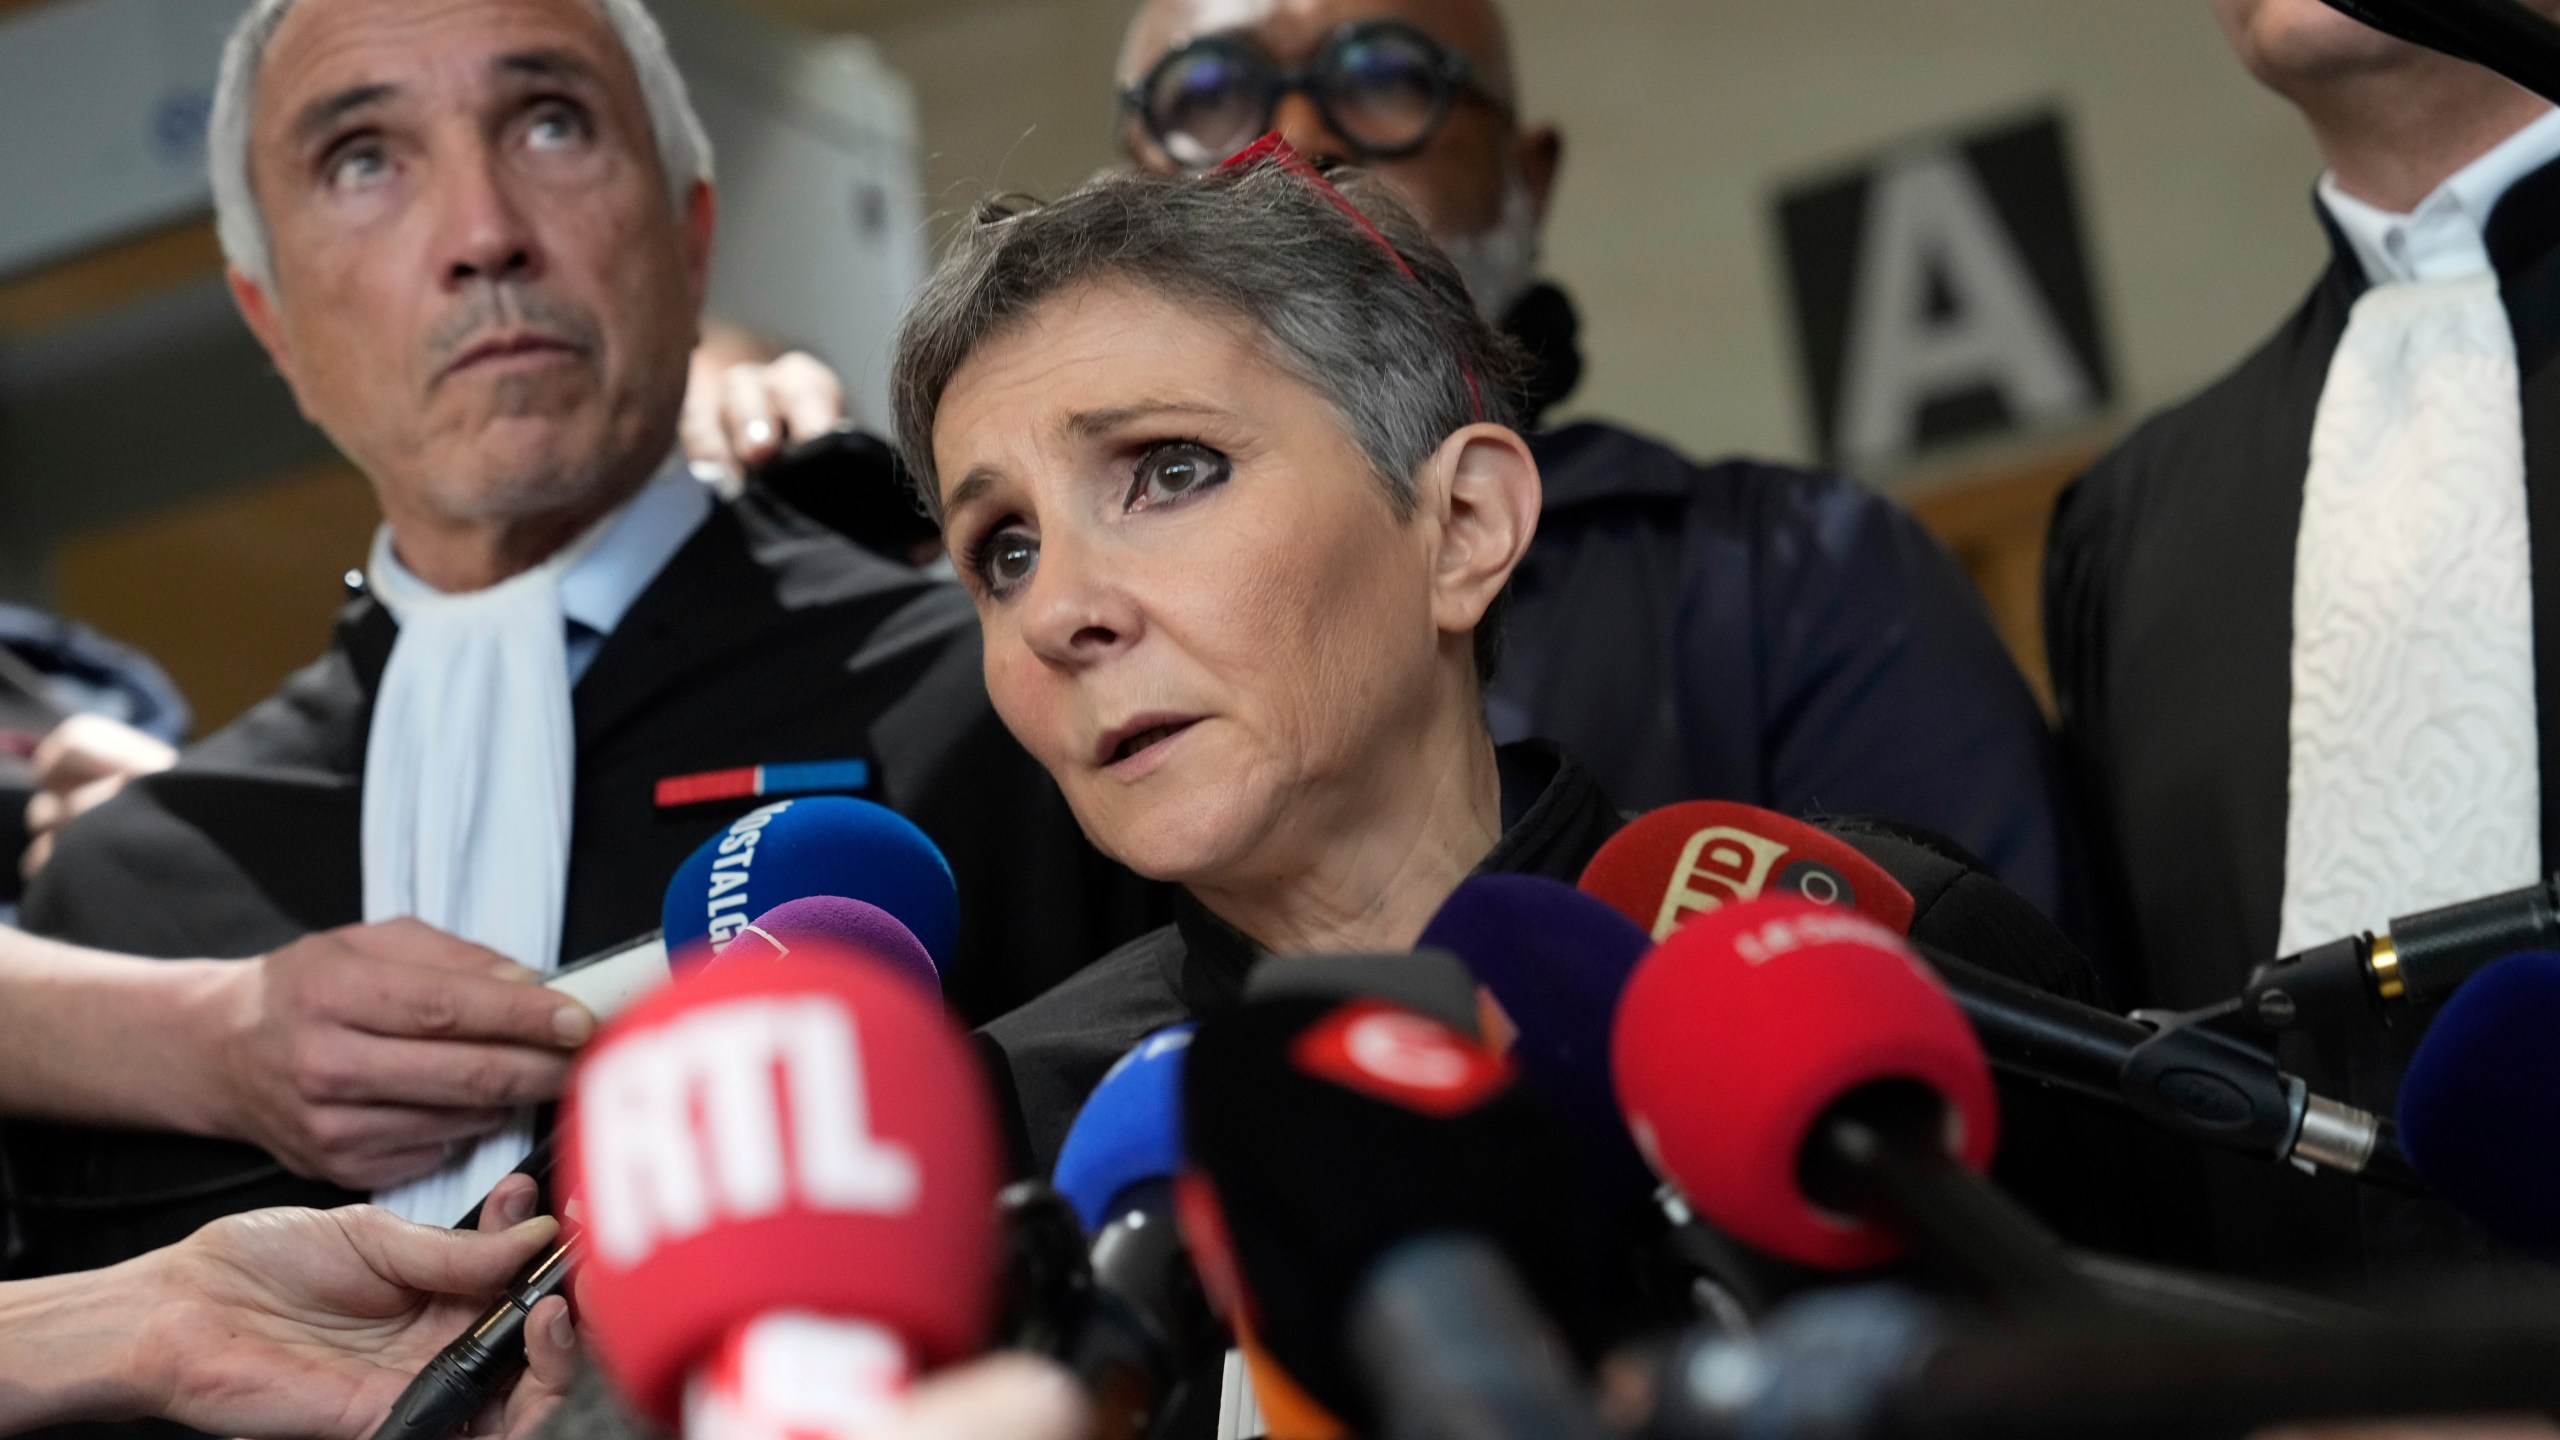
(1172, 472)
(1005, 561)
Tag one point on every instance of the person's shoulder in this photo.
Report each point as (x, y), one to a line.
(1119, 999)
(813, 567)
(1595, 463)
(1057, 1047)
(2180, 443)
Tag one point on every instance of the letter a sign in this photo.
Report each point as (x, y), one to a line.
(1942, 294)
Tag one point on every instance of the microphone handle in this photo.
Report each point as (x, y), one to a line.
(2415, 960)
(1453, 1348)
(2188, 1078)
(477, 1367)
(1880, 1152)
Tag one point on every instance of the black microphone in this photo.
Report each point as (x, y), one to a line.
(2415, 960)
(467, 1374)
(1388, 1208)
(2499, 35)
(2178, 1072)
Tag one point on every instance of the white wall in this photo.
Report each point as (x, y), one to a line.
(1682, 119)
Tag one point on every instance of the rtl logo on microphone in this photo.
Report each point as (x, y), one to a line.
(733, 1111)
(1393, 1054)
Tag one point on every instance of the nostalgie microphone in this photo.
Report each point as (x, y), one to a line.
(1985, 941)
(784, 1177)
(2413, 961)
(2480, 1104)
(813, 845)
(1148, 1326)
(1379, 1211)
(792, 850)
(2500, 35)
(1814, 1091)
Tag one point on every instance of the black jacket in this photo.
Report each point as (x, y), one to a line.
(1782, 637)
(2169, 619)
(764, 639)
(1047, 1056)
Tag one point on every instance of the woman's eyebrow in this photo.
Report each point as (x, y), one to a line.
(1085, 424)
(977, 483)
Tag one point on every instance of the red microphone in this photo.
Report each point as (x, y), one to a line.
(1671, 865)
(1813, 1090)
(783, 1177)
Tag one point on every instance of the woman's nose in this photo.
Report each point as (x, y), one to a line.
(1076, 614)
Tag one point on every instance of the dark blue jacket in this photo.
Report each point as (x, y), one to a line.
(1782, 637)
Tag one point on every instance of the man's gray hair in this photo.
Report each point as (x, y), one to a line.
(684, 150)
(1386, 335)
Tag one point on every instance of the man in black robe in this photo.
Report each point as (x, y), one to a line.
(2298, 623)
(474, 241)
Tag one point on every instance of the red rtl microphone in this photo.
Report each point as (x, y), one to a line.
(783, 1175)
(1815, 1092)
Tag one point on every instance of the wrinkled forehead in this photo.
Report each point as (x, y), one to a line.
(1292, 29)
(337, 51)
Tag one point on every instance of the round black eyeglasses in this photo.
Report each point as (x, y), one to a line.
(1384, 86)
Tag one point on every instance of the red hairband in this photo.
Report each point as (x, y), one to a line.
(1281, 153)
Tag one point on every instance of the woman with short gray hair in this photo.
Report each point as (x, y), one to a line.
(1224, 461)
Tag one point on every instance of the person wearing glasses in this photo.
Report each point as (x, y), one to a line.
(1734, 629)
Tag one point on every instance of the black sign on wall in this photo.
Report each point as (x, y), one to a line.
(1943, 293)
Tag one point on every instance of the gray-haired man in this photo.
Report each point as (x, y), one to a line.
(473, 236)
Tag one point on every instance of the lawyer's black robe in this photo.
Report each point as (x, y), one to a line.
(764, 639)
(2169, 620)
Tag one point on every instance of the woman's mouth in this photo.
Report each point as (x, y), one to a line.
(1140, 736)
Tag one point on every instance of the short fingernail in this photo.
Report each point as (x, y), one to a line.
(572, 1024)
(510, 970)
(563, 1334)
(513, 1208)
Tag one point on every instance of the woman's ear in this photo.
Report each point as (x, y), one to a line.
(1489, 497)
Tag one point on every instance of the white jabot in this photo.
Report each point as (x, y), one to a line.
(2414, 769)
(471, 761)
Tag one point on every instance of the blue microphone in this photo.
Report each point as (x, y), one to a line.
(1129, 1132)
(813, 845)
(2481, 1103)
(1148, 1341)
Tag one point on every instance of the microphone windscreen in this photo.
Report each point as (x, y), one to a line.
(2480, 1104)
(1960, 907)
(1129, 1131)
(1431, 981)
(1681, 861)
(833, 920)
(814, 845)
(811, 1134)
(1555, 960)
(1738, 1032)
(1325, 1132)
